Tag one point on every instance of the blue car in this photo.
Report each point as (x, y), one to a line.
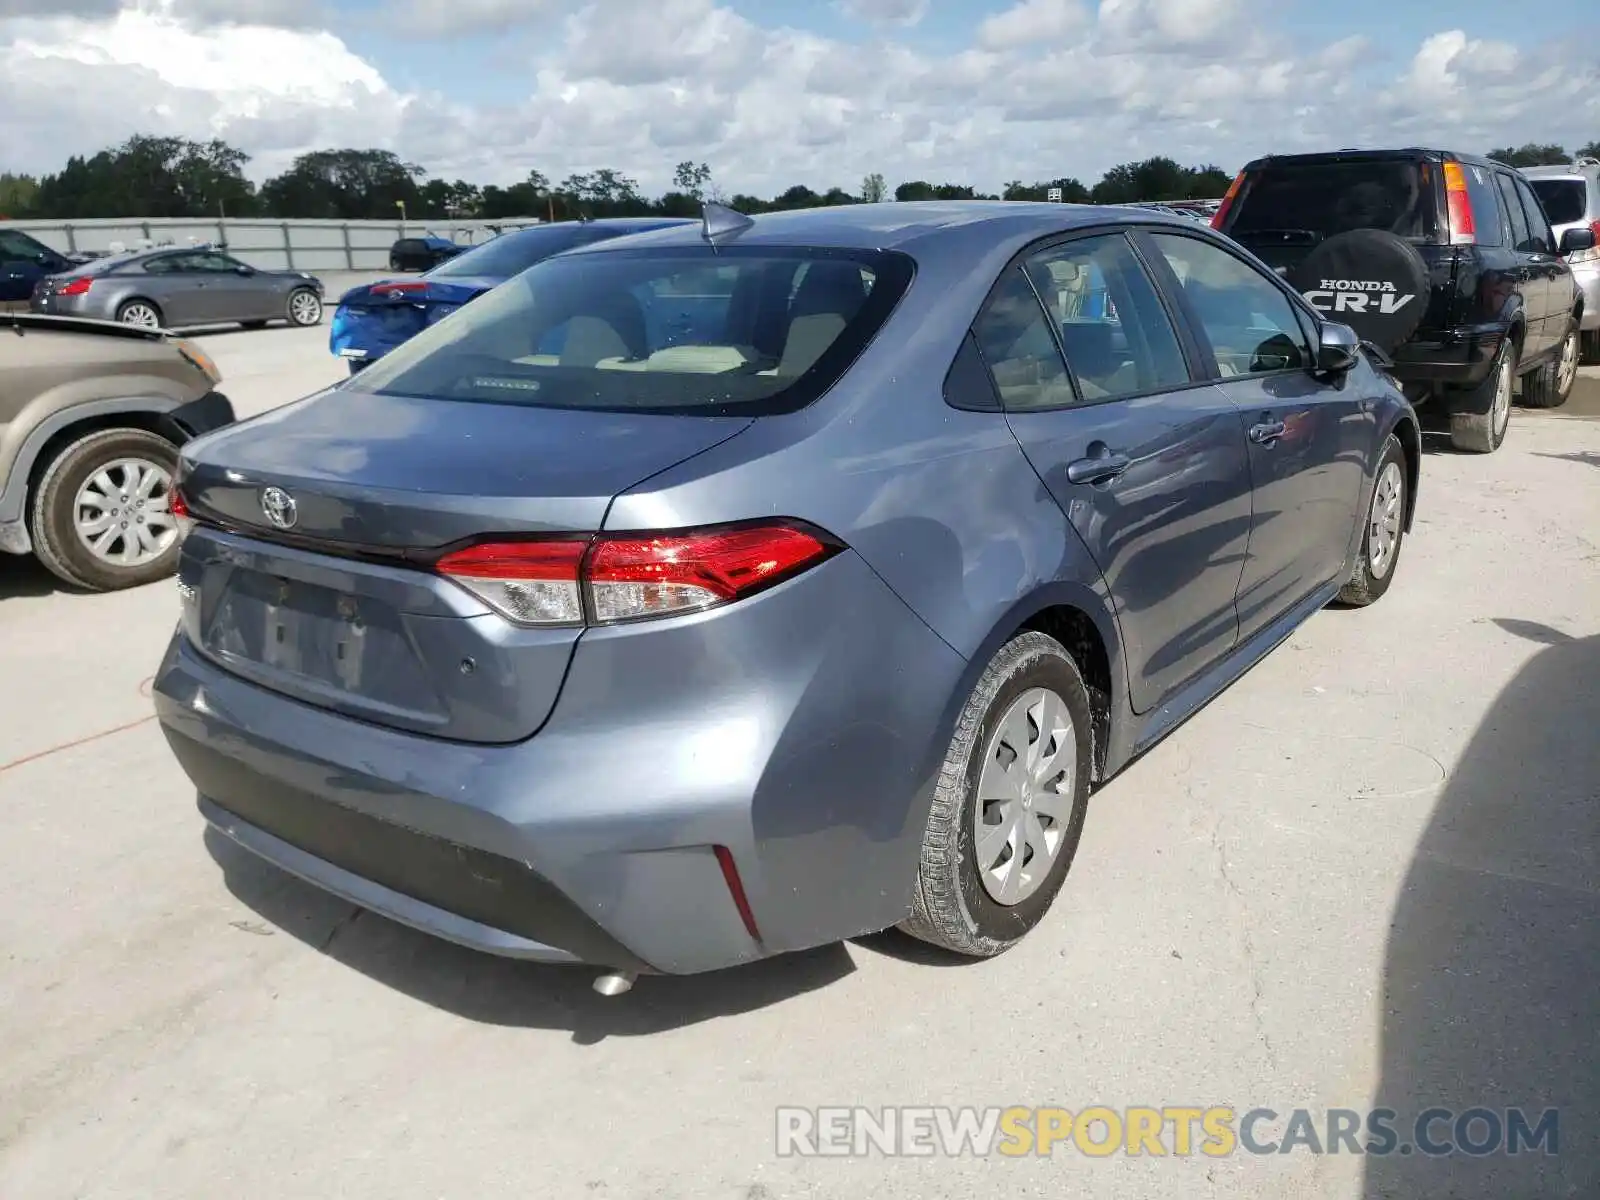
(373, 319)
(735, 589)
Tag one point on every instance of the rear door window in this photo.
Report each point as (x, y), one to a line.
(1322, 200)
(1116, 334)
(678, 329)
(1538, 222)
(1521, 236)
(1021, 352)
(1564, 200)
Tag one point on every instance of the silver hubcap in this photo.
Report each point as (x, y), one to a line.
(123, 512)
(1500, 415)
(305, 308)
(1568, 370)
(1025, 794)
(140, 314)
(1383, 529)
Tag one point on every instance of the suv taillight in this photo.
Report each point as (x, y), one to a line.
(1227, 201)
(575, 580)
(1458, 201)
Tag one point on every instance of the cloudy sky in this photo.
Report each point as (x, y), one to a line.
(774, 92)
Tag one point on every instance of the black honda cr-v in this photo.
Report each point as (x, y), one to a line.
(1445, 262)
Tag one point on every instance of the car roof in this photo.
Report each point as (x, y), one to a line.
(1571, 170)
(1354, 154)
(912, 225)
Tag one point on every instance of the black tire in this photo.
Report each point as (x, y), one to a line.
(951, 907)
(1371, 580)
(126, 309)
(298, 308)
(55, 539)
(1479, 425)
(1545, 388)
(1591, 347)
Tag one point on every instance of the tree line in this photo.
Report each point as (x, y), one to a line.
(176, 177)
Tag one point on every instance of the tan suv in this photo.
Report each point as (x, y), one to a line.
(91, 418)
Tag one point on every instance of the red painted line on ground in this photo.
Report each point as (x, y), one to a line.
(144, 690)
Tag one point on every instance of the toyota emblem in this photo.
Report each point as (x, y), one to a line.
(280, 507)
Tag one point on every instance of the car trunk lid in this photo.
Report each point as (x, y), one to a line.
(309, 569)
(377, 317)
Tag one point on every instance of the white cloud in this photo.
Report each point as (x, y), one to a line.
(1046, 88)
(1032, 22)
(885, 12)
(443, 18)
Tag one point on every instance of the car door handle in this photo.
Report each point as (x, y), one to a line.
(1098, 468)
(1264, 433)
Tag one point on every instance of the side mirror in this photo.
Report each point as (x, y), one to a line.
(1579, 238)
(1337, 348)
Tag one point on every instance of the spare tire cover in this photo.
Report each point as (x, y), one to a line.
(1374, 281)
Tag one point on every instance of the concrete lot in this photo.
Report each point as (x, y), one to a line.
(1366, 875)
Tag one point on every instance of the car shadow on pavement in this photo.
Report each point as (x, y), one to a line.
(1588, 457)
(502, 991)
(24, 575)
(1491, 993)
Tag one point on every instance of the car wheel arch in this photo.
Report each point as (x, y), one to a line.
(1411, 443)
(50, 437)
(1083, 622)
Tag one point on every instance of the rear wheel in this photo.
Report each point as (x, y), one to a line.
(1551, 384)
(1385, 531)
(1479, 427)
(102, 515)
(1010, 803)
(305, 307)
(143, 313)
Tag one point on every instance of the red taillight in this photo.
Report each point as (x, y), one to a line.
(532, 583)
(399, 289)
(1227, 201)
(75, 287)
(625, 577)
(1458, 201)
(179, 507)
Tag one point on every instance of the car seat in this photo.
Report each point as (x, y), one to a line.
(828, 299)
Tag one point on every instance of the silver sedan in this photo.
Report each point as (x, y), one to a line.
(177, 288)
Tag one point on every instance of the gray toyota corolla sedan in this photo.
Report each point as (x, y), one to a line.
(732, 589)
(175, 288)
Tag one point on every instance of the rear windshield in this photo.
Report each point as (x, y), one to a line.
(679, 329)
(512, 253)
(1564, 199)
(1320, 200)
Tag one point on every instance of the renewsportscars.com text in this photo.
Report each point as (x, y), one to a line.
(1217, 1131)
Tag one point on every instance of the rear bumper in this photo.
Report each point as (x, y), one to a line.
(800, 729)
(1448, 358)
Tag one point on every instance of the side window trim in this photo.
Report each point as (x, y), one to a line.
(1297, 303)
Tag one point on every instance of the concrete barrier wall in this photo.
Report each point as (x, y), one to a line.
(270, 245)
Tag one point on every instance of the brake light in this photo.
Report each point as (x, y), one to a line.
(405, 288)
(531, 583)
(75, 287)
(1227, 201)
(179, 507)
(1463, 232)
(627, 577)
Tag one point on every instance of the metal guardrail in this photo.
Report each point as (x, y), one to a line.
(269, 245)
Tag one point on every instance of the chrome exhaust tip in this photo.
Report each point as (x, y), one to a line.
(614, 983)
